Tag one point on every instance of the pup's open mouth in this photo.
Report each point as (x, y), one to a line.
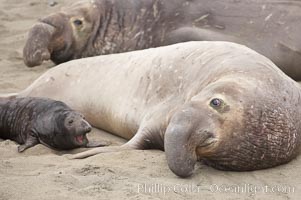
(80, 138)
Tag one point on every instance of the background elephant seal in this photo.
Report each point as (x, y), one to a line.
(30, 121)
(214, 101)
(97, 27)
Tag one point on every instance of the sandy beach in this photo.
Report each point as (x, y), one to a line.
(44, 174)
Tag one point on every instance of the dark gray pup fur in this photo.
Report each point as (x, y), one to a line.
(30, 121)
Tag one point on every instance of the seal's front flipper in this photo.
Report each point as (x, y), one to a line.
(135, 143)
(148, 136)
(30, 142)
(97, 144)
(99, 150)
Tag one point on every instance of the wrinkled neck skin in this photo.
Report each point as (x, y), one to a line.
(119, 29)
(127, 26)
(270, 137)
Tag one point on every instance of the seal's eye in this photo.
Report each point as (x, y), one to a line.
(216, 102)
(70, 121)
(77, 22)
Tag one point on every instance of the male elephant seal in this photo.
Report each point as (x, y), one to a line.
(30, 121)
(96, 27)
(215, 101)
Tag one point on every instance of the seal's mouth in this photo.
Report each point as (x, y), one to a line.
(62, 54)
(80, 139)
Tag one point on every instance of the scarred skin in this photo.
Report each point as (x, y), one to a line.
(218, 102)
(30, 121)
(98, 27)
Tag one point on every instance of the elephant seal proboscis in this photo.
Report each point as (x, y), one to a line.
(97, 27)
(30, 121)
(216, 101)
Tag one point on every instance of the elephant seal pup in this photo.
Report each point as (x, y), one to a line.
(30, 121)
(98, 27)
(214, 101)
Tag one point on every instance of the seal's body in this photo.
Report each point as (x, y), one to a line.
(216, 101)
(98, 27)
(30, 121)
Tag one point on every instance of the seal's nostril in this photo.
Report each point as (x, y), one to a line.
(88, 128)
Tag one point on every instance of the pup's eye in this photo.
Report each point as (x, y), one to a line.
(77, 22)
(216, 102)
(70, 121)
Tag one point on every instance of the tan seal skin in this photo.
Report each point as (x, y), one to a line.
(219, 102)
(97, 27)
